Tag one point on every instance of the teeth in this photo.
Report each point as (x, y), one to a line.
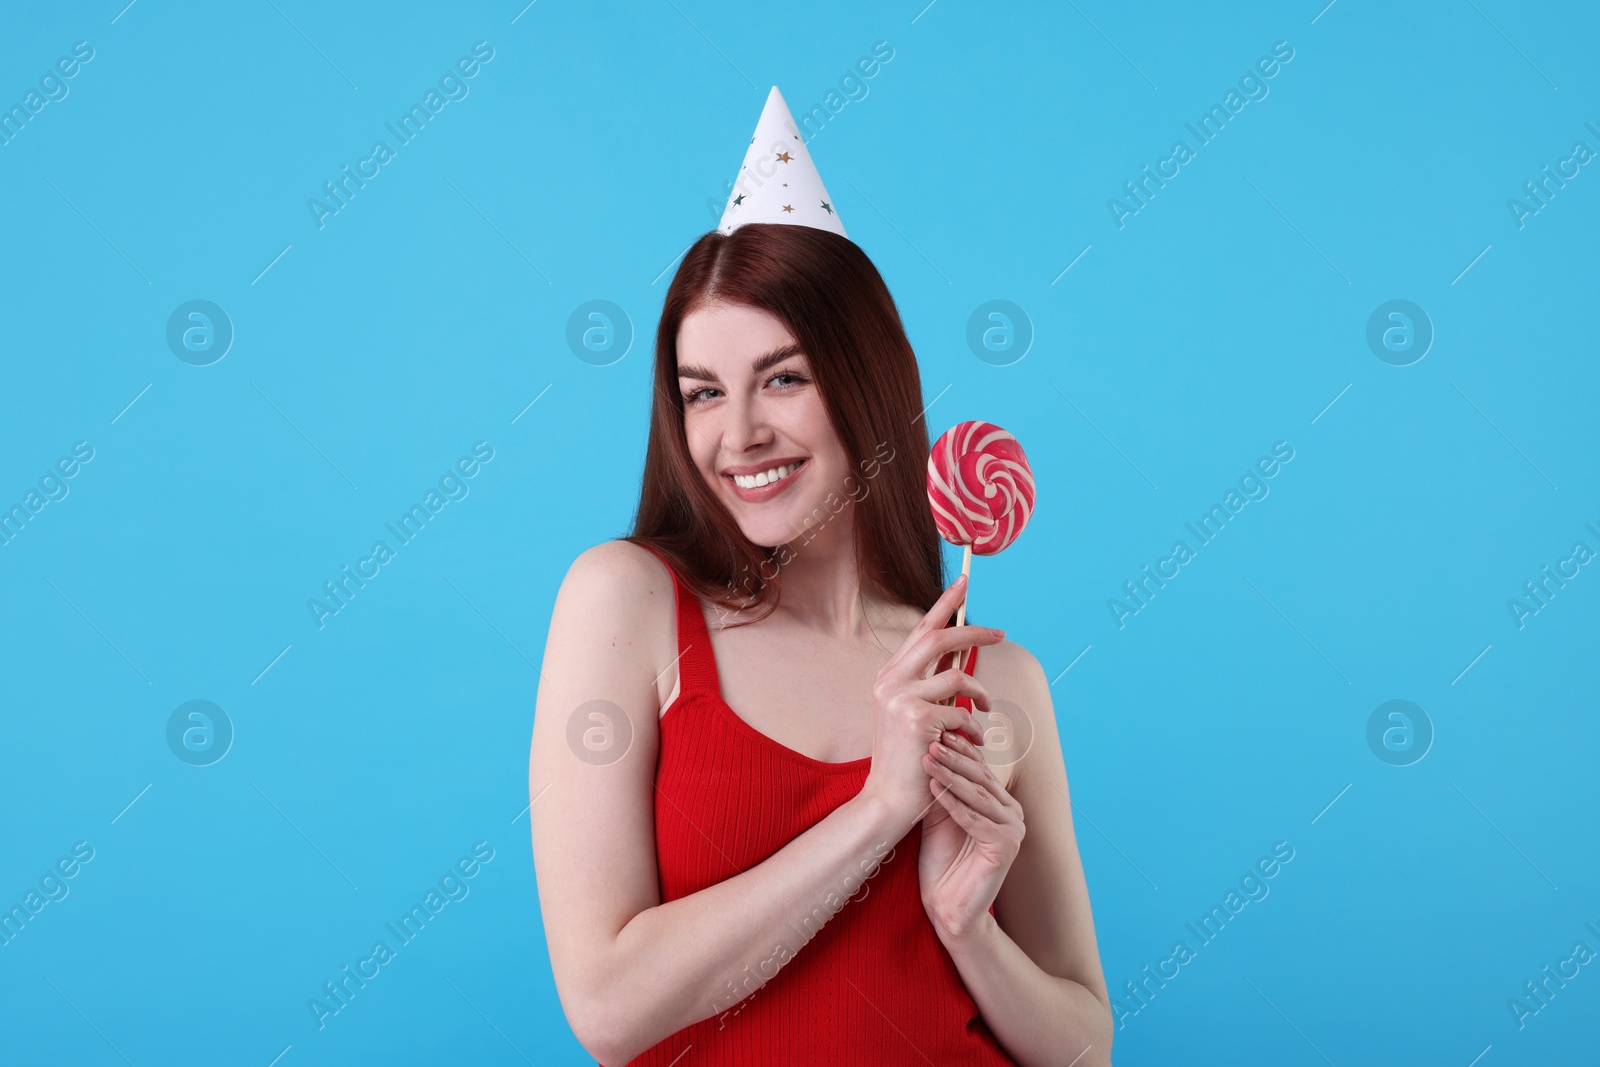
(756, 481)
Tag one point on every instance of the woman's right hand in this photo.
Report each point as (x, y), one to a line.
(909, 711)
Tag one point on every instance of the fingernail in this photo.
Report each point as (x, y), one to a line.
(997, 633)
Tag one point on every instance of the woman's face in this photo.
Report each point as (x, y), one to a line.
(752, 410)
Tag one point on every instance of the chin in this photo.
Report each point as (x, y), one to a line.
(768, 533)
(782, 520)
(789, 528)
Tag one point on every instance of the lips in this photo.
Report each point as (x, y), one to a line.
(766, 492)
(757, 468)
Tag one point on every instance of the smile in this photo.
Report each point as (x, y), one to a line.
(766, 484)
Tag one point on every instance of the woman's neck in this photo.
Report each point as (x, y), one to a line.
(822, 585)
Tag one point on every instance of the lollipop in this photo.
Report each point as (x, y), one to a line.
(980, 487)
(981, 490)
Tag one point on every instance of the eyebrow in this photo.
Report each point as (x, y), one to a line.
(771, 359)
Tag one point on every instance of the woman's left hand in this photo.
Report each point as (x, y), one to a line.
(969, 837)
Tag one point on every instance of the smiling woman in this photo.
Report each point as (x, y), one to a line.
(753, 777)
(748, 293)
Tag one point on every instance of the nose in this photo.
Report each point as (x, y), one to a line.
(746, 428)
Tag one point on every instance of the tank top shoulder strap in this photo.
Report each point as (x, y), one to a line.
(697, 666)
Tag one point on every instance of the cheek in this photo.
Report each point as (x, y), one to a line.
(833, 457)
(696, 437)
(705, 472)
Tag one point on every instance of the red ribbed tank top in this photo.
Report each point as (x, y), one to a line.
(875, 985)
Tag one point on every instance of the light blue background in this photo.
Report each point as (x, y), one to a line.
(1227, 315)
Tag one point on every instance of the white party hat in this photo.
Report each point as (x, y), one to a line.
(778, 182)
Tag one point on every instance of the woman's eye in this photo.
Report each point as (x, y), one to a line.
(695, 396)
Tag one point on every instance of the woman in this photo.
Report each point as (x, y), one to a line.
(759, 828)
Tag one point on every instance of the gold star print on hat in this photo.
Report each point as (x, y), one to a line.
(778, 182)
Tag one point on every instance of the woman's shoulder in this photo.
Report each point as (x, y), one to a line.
(618, 560)
(1010, 672)
(617, 582)
(620, 595)
(1019, 692)
(616, 576)
(621, 567)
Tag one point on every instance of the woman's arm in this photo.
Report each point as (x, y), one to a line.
(629, 969)
(1034, 966)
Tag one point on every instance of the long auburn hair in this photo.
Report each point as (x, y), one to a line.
(826, 291)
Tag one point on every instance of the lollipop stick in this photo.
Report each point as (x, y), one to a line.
(961, 614)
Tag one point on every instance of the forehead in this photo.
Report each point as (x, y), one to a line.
(729, 336)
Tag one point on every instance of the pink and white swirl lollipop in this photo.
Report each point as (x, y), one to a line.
(980, 486)
(981, 490)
